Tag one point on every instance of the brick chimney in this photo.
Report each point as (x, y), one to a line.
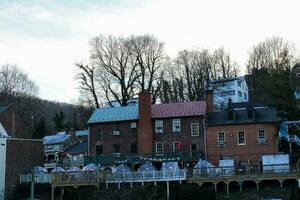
(209, 101)
(144, 136)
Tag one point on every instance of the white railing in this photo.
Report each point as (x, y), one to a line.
(171, 175)
(38, 178)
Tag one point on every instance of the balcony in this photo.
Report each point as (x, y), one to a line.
(107, 160)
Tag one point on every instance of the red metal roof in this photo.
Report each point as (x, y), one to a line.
(184, 109)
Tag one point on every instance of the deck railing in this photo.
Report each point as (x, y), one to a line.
(146, 176)
(96, 177)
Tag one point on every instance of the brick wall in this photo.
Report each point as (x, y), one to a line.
(126, 137)
(252, 151)
(21, 156)
(184, 136)
(144, 136)
(108, 140)
(13, 123)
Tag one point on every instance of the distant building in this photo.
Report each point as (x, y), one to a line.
(74, 155)
(54, 146)
(17, 156)
(235, 88)
(243, 132)
(13, 123)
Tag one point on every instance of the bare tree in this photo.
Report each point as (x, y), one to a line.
(87, 84)
(116, 66)
(13, 81)
(223, 66)
(151, 60)
(272, 54)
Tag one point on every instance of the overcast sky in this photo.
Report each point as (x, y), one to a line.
(45, 38)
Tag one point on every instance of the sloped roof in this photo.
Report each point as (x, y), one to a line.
(60, 137)
(262, 115)
(125, 113)
(81, 133)
(193, 108)
(3, 108)
(77, 148)
(184, 109)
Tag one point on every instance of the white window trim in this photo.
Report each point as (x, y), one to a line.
(133, 125)
(238, 141)
(174, 145)
(264, 134)
(156, 126)
(197, 129)
(162, 152)
(218, 138)
(175, 130)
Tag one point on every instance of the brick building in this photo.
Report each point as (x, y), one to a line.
(17, 156)
(146, 129)
(13, 123)
(244, 132)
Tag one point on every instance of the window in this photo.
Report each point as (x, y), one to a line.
(221, 138)
(227, 93)
(239, 83)
(99, 150)
(159, 126)
(116, 127)
(159, 148)
(194, 129)
(176, 125)
(193, 147)
(177, 146)
(240, 93)
(241, 138)
(133, 127)
(116, 148)
(245, 95)
(99, 134)
(133, 148)
(261, 134)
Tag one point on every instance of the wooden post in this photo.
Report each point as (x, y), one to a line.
(131, 184)
(257, 185)
(168, 190)
(119, 185)
(32, 186)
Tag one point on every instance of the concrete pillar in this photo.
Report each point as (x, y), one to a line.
(168, 190)
(227, 188)
(215, 184)
(281, 183)
(241, 186)
(52, 193)
(62, 191)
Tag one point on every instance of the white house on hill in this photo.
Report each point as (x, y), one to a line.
(235, 88)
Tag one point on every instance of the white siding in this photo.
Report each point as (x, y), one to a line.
(2, 166)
